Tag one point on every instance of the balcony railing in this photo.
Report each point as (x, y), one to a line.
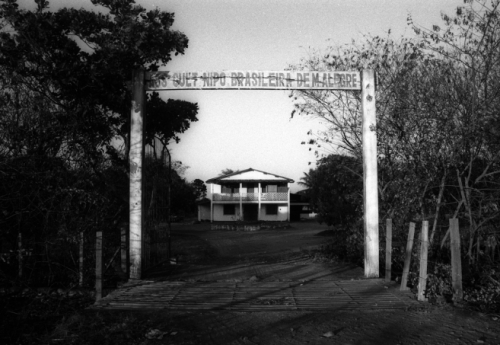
(274, 197)
(251, 196)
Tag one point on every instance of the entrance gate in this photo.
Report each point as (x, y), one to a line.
(256, 80)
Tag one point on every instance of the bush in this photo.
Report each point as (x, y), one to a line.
(483, 290)
(345, 244)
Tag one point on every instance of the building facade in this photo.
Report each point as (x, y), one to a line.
(248, 195)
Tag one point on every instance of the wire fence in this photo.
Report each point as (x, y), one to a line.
(156, 201)
(435, 268)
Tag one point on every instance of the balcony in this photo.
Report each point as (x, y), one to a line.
(275, 196)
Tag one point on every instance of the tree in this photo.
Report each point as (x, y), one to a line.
(437, 128)
(64, 99)
(227, 171)
(336, 190)
(403, 72)
(200, 188)
(80, 62)
(469, 40)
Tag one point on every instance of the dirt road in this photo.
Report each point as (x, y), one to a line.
(278, 256)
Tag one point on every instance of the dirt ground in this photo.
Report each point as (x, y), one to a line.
(206, 255)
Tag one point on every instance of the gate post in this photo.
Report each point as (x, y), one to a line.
(370, 179)
(136, 154)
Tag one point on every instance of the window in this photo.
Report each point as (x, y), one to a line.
(272, 188)
(251, 188)
(229, 210)
(230, 189)
(272, 209)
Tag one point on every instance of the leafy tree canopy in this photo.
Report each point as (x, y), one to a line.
(335, 189)
(78, 64)
(200, 188)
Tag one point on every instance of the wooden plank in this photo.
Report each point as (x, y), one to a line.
(456, 263)
(370, 179)
(259, 296)
(409, 248)
(388, 249)
(253, 80)
(424, 248)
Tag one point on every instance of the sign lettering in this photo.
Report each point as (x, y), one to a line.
(254, 80)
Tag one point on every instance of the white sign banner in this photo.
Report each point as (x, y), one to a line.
(254, 80)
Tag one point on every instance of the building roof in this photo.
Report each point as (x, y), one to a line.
(250, 175)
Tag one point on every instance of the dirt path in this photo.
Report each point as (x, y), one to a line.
(276, 256)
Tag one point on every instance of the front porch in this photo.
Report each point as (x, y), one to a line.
(249, 225)
(230, 211)
(249, 197)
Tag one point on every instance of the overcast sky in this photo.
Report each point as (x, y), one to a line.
(253, 129)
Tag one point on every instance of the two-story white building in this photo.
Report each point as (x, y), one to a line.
(248, 195)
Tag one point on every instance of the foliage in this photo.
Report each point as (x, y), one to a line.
(343, 244)
(65, 99)
(79, 62)
(32, 313)
(437, 127)
(438, 133)
(335, 190)
(484, 291)
(200, 188)
(227, 171)
(168, 127)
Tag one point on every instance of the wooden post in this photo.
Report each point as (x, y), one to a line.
(424, 248)
(288, 198)
(259, 195)
(370, 179)
(136, 161)
(456, 263)
(80, 268)
(123, 256)
(242, 216)
(409, 248)
(98, 266)
(20, 255)
(388, 249)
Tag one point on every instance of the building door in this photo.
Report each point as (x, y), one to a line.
(250, 212)
(295, 211)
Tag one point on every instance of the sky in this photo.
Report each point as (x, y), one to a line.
(253, 129)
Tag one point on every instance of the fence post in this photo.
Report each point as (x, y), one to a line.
(424, 249)
(456, 263)
(80, 273)
(406, 268)
(388, 249)
(20, 254)
(98, 266)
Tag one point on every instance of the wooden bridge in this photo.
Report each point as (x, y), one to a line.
(249, 295)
